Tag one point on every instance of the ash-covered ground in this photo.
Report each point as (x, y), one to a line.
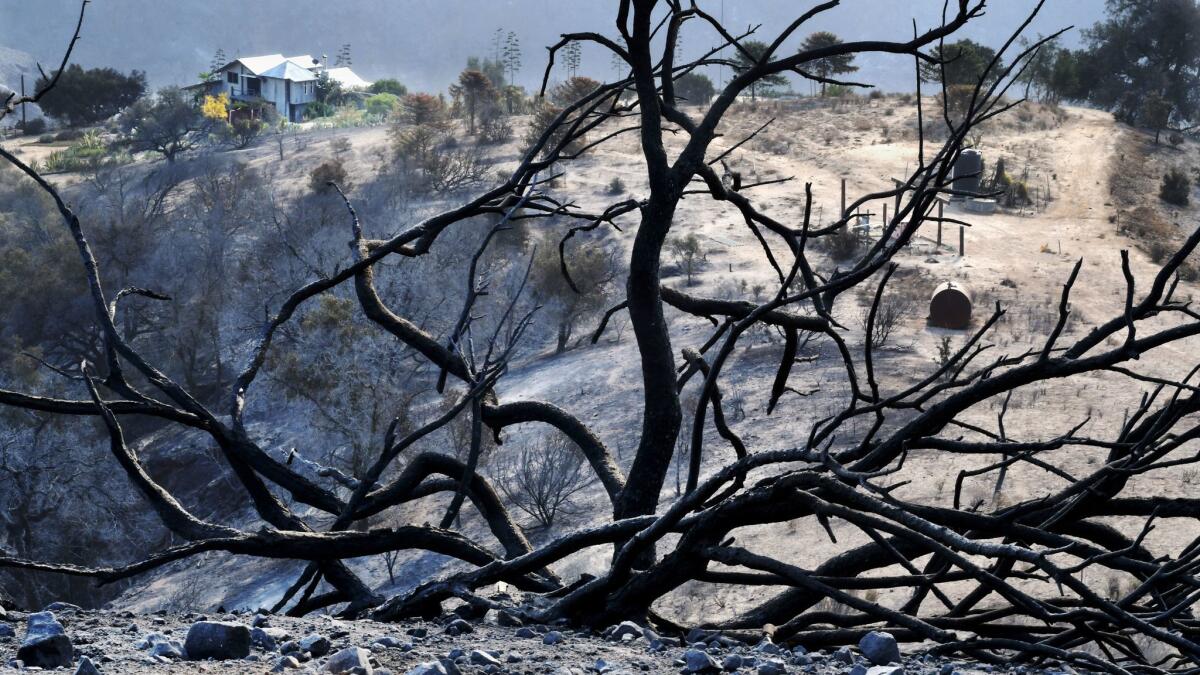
(124, 642)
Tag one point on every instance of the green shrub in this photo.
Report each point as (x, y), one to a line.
(34, 127)
(382, 104)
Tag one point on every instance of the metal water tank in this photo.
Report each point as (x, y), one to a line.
(968, 172)
(950, 306)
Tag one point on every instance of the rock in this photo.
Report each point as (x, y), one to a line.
(697, 661)
(767, 647)
(946, 669)
(732, 662)
(601, 666)
(417, 632)
(46, 644)
(262, 639)
(844, 655)
(482, 658)
(449, 667)
(350, 660)
(286, 663)
(217, 640)
(260, 621)
(62, 607)
(315, 644)
(458, 627)
(859, 669)
(456, 654)
(430, 668)
(289, 647)
(389, 642)
(880, 648)
(552, 638)
(513, 657)
(170, 649)
(86, 667)
(772, 667)
(3, 613)
(526, 633)
(895, 669)
(626, 628)
(7, 631)
(508, 619)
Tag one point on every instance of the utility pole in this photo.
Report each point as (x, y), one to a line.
(23, 104)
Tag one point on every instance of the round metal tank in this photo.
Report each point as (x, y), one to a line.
(950, 306)
(968, 172)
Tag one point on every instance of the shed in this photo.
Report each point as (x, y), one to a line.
(950, 306)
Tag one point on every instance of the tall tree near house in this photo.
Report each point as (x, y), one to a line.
(747, 57)
(511, 60)
(343, 57)
(219, 60)
(954, 569)
(831, 66)
(89, 96)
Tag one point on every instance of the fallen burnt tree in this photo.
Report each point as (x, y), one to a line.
(987, 583)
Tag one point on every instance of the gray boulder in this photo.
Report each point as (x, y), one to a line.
(880, 648)
(46, 644)
(7, 631)
(317, 645)
(626, 628)
(259, 637)
(350, 660)
(526, 632)
(86, 667)
(170, 649)
(697, 661)
(482, 658)
(732, 662)
(844, 655)
(552, 638)
(217, 640)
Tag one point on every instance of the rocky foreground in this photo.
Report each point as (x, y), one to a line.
(88, 642)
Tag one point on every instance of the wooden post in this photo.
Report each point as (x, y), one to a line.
(23, 120)
(962, 241)
(941, 212)
(843, 213)
(885, 220)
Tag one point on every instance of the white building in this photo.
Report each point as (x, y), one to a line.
(287, 82)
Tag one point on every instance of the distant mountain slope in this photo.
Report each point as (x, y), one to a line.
(13, 64)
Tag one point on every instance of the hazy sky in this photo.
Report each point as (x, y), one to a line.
(424, 43)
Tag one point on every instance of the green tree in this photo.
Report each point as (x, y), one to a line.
(168, 123)
(966, 63)
(828, 66)
(388, 86)
(328, 90)
(743, 63)
(694, 88)
(381, 104)
(1143, 48)
(90, 96)
(572, 90)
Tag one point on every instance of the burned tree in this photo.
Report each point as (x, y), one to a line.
(986, 583)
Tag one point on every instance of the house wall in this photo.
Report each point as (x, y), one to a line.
(273, 90)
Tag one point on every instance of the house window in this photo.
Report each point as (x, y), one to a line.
(231, 77)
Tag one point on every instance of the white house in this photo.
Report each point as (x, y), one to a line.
(287, 82)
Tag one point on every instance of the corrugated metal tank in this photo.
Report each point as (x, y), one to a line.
(968, 172)
(950, 306)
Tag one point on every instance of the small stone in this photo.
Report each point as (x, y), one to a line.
(894, 669)
(429, 668)
(217, 640)
(459, 626)
(7, 631)
(514, 657)
(601, 666)
(946, 669)
(732, 662)
(552, 638)
(46, 644)
(626, 628)
(696, 661)
(508, 619)
(389, 642)
(417, 632)
(262, 639)
(880, 648)
(859, 669)
(170, 649)
(767, 647)
(289, 647)
(526, 633)
(62, 607)
(482, 658)
(456, 654)
(286, 663)
(260, 621)
(350, 660)
(844, 655)
(772, 667)
(315, 644)
(86, 667)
